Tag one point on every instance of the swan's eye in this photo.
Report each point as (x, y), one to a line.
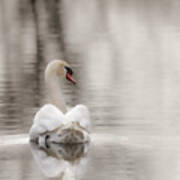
(69, 73)
(69, 70)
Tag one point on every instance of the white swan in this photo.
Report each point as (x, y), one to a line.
(53, 123)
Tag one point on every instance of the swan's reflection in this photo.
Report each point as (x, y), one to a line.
(61, 160)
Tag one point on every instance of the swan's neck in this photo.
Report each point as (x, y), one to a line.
(55, 95)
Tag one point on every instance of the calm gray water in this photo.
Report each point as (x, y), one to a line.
(125, 55)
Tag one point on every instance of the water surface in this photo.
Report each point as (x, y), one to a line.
(125, 56)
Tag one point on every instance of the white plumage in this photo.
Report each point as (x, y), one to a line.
(53, 123)
(49, 120)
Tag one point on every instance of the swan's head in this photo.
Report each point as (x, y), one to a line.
(59, 68)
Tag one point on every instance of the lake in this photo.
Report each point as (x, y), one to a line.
(125, 58)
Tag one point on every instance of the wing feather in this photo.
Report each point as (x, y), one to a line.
(80, 113)
(48, 118)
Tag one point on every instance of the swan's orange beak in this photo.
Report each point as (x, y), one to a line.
(70, 78)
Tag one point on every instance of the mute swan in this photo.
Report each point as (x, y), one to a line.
(53, 123)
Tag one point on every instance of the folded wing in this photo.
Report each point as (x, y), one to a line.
(48, 118)
(81, 115)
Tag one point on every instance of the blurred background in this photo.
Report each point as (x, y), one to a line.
(125, 55)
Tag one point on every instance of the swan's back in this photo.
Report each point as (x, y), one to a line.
(51, 125)
(76, 128)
